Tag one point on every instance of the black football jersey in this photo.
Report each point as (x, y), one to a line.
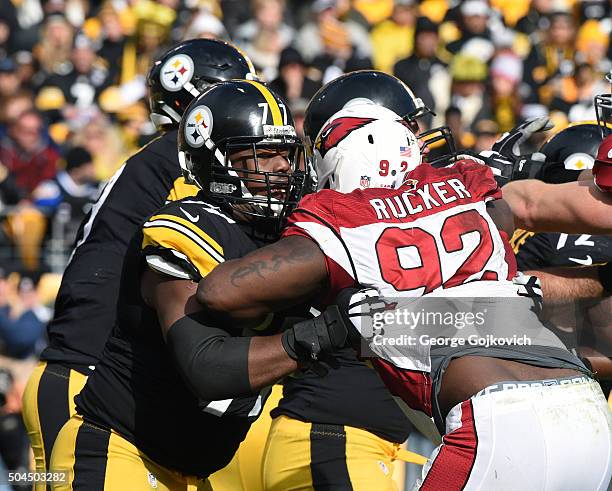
(86, 304)
(135, 389)
(545, 250)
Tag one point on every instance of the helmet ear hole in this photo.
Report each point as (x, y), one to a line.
(371, 139)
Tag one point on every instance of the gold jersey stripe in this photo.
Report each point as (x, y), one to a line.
(180, 189)
(198, 231)
(168, 238)
(277, 117)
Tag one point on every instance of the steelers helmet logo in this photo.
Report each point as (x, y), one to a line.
(198, 126)
(579, 161)
(176, 72)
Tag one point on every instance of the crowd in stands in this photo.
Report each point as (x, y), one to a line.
(73, 94)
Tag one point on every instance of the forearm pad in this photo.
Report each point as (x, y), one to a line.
(213, 364)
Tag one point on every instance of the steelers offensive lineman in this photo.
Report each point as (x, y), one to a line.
(177, 387)
(86, 303)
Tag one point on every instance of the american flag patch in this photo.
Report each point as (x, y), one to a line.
(405, 152)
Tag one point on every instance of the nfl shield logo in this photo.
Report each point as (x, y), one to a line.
(364, 182)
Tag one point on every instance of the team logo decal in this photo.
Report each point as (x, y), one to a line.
(364, 182)
(176, 72)
(336, 131)
(410, 184)
(579, 161)
(198, 126)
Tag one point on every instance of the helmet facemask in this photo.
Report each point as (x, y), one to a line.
(235, 173)
(603, 110)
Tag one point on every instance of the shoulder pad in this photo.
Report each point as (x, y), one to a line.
(186, 234)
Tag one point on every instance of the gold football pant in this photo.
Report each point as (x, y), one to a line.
(309, 456)
(48, 402)
(95, 459)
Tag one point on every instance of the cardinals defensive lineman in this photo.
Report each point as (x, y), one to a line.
(410, 230)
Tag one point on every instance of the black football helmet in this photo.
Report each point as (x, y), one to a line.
(570, 151)
(186, 70)
(381, 89)
(603, 109)
(222, 137)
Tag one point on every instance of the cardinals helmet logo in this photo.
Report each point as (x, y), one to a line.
(336, 131)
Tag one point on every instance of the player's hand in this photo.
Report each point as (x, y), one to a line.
(314, 340)
(509, 145)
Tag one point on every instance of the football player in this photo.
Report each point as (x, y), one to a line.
(415, 231)
(176, 388)
(575, 207)
(87, 299)
(341, 430)
(574, 296)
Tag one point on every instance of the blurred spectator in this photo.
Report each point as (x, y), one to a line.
(55, 46)
(536, 18)
(26, 153)
(22, 319)
(368, 12)
(588, 83)
(82, 84)
(112, 40)
(453, 119)
(475, 39)
(9, 80)
(503, 104)
(205, 25)
(554, 58)
(75, 186)
(485, 134)
(104, 142)
(328, 35)
(417, 70)
(468, 86)
(592, 44)
(393, 38)
(10, 194)
(265, 36)
(12, 107)
(8, 27)
(298, 109)
(292, 83)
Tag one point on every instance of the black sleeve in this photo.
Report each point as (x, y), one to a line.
(213, 364)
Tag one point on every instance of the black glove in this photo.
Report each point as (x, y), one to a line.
(505, 170)
(529, 166)
(314, 340)
(509, 145)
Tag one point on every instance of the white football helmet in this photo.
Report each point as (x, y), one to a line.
(363, 146)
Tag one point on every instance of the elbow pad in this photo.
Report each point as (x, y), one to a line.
(213, 364)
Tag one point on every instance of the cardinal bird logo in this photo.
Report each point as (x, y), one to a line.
(338, 130)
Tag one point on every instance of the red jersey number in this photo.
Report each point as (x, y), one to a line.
(428, 274)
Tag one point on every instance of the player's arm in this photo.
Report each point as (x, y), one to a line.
(214, 364)
(573, 207)
(502, 216)
(566, 284)
(272, 278)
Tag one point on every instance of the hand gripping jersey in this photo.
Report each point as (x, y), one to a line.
(86, 304)
(135, 390)
(431, 237)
